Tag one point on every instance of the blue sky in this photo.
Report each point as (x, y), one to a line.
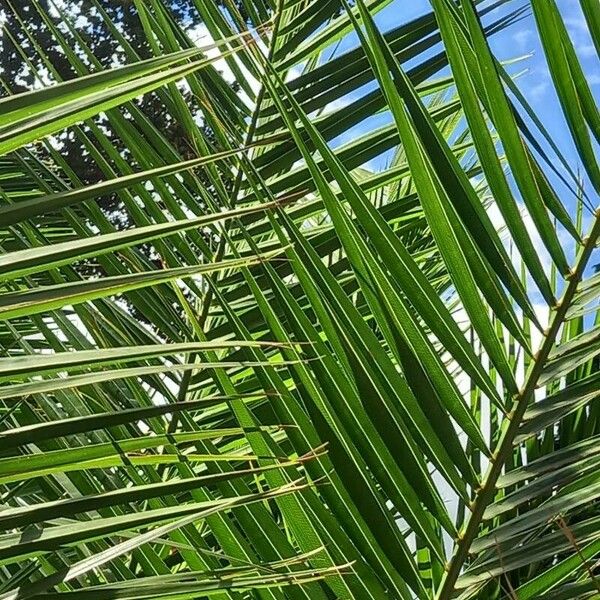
(520, 40)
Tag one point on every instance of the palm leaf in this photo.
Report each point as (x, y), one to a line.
(242, 361)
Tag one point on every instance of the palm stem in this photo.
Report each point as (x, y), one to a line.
(510, 428)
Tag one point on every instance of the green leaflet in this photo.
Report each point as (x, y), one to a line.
(18, 367)
(13, 213)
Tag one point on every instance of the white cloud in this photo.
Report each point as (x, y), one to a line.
(294, 72)
(338, 104)
(594, 79)
(542, 312)
(586, 50)
(203, 39)
(579, 32)
(577, 22)
(522, 38)
(539, 90)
